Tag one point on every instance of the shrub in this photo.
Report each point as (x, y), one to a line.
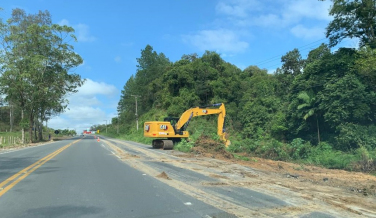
(272, 149)
(353, 136)
(184, 146)
(299, 149)
(365, 162)
(324, 155)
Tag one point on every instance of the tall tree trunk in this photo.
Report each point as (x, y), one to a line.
(11, 119)
(40, 130)
(35, 129)
(31, 122)
(22, 128)
(42, 117)
(318, 129)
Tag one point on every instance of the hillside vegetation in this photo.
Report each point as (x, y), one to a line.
(318, 110)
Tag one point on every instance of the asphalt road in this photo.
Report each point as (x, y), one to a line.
(81, 178)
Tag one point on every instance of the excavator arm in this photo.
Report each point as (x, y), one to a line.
(202, 111)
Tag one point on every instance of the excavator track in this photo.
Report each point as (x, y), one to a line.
(168, 144)
(165, 144)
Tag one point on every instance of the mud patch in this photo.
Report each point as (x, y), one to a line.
(164, 175)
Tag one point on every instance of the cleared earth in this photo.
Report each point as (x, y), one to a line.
(254, 188)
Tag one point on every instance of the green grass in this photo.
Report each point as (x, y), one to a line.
(14, 138)
(136, 136)
(9, 138)
(184, 146)
(240, 157)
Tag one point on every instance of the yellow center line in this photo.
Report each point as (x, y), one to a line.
(27, 170)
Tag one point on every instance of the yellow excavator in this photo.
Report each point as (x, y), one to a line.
(172, 130)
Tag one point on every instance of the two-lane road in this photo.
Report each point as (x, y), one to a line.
(81, 178)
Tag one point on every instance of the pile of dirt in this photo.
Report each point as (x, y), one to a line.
(208, 147)
(164, 175)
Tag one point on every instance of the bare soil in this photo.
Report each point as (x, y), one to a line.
(354, 181)
(305, 188)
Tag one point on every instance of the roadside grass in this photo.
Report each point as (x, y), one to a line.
(240, 157)
(184, 146)
(9, 139)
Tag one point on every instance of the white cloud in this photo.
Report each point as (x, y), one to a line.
(264, 20)
(314, 9)
(221, 40)
(82, 31)
(80, 118)
(91, 88)
(237, 8)
(117, 59)
(64, 22)
(273, 13)
(83, 109)
(277, 15)
(308, 33)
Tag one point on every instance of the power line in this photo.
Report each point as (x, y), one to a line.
(278, 56)
(280, 63)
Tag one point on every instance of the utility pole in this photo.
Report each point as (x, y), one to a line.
(135, 96)
(106, 125)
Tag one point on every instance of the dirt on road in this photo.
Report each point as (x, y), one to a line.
(258, 187)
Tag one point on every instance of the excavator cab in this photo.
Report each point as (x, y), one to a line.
(174, 121)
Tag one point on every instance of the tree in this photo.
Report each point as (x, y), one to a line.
(346, 100)
(258, 104)
(292, 63)
(365, 65)
(151, 66)
(37, 60)
(308, 104)
(352, 19)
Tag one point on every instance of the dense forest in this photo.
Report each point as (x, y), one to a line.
(318, 109)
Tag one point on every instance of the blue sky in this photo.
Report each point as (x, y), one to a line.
(112, 33)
